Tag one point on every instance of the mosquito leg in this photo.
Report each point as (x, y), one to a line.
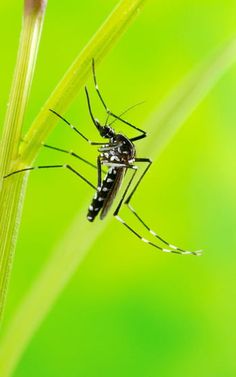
(145, 160)
(97, 88)
(107, 109)
(138, 137)
(116, 214)
(99, 167)
(51, 167)
(127, 202)
(144, 134)
(70, 153)
(124, 194)
(177, 249)
(94, 120)
(75, 129)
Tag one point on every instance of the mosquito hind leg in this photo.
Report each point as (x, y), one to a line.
(127, 202)
(149, 163)
(173, 249)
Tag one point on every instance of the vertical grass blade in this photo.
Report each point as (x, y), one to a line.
(11, 189)
(67, 256)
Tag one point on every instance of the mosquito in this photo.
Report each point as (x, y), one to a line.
(118, 155)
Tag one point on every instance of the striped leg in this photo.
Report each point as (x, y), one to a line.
(70, 153)
(75, 129)
(74, 155)
(175, 251)
(145, 160)
(51, 167)
(110, 113)
(98, 167)
(172, 248)
(124, 195)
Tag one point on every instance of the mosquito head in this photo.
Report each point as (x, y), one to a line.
(107, 132)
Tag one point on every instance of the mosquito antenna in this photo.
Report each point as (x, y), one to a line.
(124, 112)
(108, 116)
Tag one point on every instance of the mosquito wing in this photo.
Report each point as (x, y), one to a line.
(120, 172)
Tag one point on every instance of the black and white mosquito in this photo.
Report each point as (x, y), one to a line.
(118, 154)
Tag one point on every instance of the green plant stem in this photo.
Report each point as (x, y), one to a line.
(12, 189)
(67, 257)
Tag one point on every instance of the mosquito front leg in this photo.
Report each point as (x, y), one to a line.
(97, 88)
(110, 113)
(75, 129)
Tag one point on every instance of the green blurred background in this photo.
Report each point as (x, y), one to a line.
(129, 310)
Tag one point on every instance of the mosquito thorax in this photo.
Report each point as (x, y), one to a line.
(121, 151)
(126, 145)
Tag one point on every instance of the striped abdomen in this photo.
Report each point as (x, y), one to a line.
(105, 194)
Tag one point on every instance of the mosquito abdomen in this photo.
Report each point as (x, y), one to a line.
(101, 194)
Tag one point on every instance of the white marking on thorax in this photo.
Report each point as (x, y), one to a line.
(115, 158)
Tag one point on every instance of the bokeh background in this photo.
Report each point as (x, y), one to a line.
(129, 310)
